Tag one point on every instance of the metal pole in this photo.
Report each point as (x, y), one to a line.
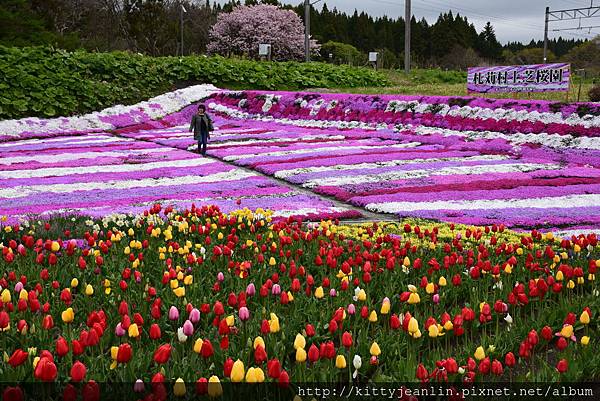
(181, 27)
(407, 19)
(546, 33)
(307, 30)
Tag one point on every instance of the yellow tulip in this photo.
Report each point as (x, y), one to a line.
(417, 334)
(433, 331)
(214, 387)
(55, 246)
(300, 355)
(274, 323)
(375, 350)
(68, 315)
(237, 371)
(567, 331)
(340, 362)
(442, 281)
(362, 295)
(272, 261)
(585, 340)
(133, 330)
(179, 388)
(198, 345)
(113, 352)
(179, 292)
(385, 308)
(259, 375)
(299, 341)
(584, 318)
(559, 276)
(414, 298)
(430, 288)
(74, 283)
(406, 261)
(319, 292)
(479, 353)
(413, 325)
(448, 325)
(251, 376)
(373, 317)
(23, 294)
(259, 341)
(5, 296)
(89, 290)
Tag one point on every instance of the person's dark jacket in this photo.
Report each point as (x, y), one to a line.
(201, 124)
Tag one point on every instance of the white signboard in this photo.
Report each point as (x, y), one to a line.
(264, 49)
(373, 57)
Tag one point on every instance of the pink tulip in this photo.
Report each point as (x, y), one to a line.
(220, 276)
(351, 309)
(250, 290)
(244, 314)
(276, 290)
(332, 292)
(194, 315)
(173, 313)
(119, 330)
(188, 328)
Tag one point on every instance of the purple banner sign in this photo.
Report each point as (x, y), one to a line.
(519, 78)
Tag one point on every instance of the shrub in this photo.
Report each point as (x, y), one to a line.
(45, 82)
(594, 94)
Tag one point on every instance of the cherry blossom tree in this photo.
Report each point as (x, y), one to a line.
(242, 30)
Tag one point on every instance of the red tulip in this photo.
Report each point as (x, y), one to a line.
(485, 365)
(163, 353)
(227, 366)
(91, 391)
(274, 368)
(69, 393)
(260, 355)
(313, 353)
(562, 366)
(45, 369)
(13, 394)
(497, 368)
(509, 359)
(17, 358)
(207, 349)
(422, 373)
(347, 339)
(284, 379)
(62, 347)
(310, 330)
(532, 338)
(547, 333)
(124, 353)
(155, 333)
(78, 371)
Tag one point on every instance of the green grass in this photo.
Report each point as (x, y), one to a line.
(454, 83)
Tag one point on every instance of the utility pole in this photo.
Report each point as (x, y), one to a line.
(570, 14)
(407, 19)
(307, 30)
(546, 33)
(181, 11)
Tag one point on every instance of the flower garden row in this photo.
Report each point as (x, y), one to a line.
(196, 298)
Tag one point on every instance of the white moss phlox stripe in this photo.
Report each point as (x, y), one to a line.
(66, 139)
(63, 157)
(26, 190)
(298, 123)
(308, 211)
(110, 168)
(543, 138)
(321, 149)
(415, 174)
(154, 108)
(392, 163)
(560, 202)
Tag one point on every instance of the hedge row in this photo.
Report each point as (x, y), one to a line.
(45, 82)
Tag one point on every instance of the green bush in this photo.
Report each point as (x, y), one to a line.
(44, 82)
(437, 76)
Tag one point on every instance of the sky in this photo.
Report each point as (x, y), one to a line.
(513, 20)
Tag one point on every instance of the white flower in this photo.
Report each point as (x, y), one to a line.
(508, 318)
(180, 336)
(357, 363)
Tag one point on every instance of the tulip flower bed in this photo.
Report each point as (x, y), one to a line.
(102, 174)
(197, 299)
(396, 156)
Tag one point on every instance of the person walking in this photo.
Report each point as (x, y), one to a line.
(201, 125)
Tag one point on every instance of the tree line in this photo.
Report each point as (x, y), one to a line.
(152, 27)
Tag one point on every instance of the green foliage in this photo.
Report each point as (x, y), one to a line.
(342, 53)
(44, 82)
(437, 76)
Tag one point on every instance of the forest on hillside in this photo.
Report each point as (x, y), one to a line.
(152, 27)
